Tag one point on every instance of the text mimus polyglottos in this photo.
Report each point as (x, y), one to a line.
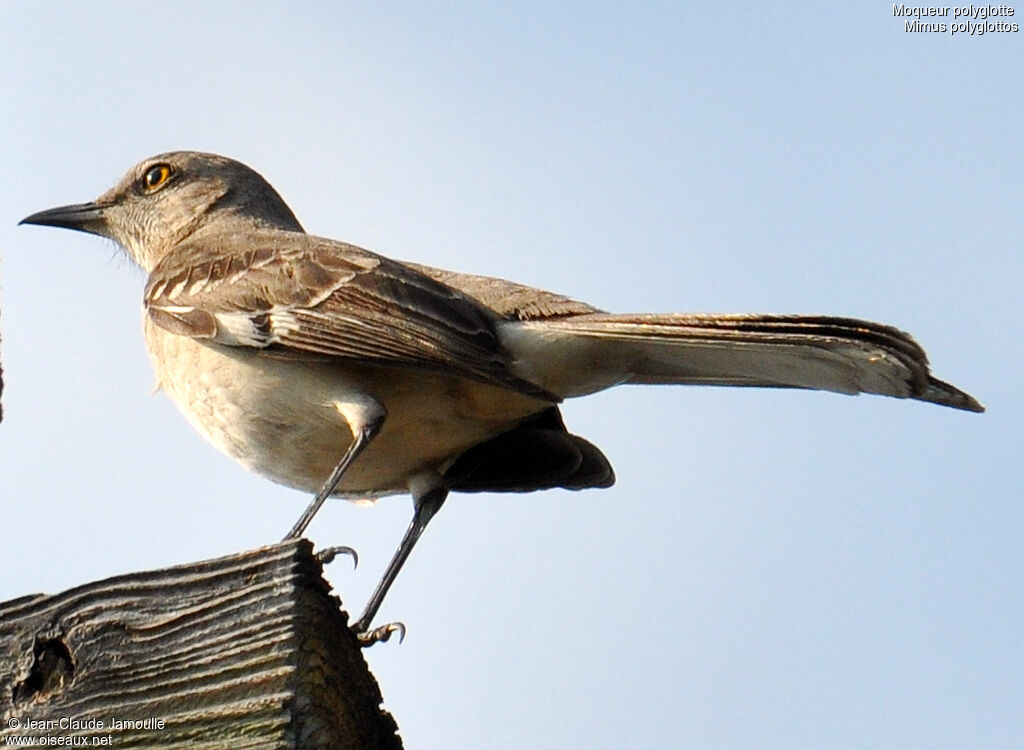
(334, 370)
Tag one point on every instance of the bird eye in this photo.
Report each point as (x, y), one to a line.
(155, 177)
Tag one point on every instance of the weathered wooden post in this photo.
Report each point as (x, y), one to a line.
(246, 651)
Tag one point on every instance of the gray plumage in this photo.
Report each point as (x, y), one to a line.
(326, 366)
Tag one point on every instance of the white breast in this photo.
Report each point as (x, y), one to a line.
(289, 420)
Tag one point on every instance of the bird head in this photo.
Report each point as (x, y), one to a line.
(171, 197)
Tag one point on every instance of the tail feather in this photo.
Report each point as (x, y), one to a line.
(538, 454)
(578, 354)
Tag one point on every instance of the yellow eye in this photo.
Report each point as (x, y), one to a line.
(155, 177)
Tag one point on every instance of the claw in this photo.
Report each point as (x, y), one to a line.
(381, 634)
(326, 556)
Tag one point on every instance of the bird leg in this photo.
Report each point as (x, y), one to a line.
(425, 505)
(361, 438)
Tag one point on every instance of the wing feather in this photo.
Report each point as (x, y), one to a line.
(291, 292)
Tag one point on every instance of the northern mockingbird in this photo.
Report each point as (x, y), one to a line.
(334, 370)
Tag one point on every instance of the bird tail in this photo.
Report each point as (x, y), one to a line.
(574, 355)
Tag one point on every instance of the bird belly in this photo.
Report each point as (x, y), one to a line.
(281, 417)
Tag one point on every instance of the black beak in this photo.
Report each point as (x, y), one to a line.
(84, 217)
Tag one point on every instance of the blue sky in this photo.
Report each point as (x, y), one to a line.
(772, 569)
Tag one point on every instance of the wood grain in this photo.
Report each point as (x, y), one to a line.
(246, 651)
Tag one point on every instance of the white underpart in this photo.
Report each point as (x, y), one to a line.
(359, 410)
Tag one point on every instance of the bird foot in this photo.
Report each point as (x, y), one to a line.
(380, 634)
(326, 556)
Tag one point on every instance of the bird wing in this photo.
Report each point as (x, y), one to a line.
(508, 299)
(290, 293)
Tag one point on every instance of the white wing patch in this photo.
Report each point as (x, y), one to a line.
(260, 330)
